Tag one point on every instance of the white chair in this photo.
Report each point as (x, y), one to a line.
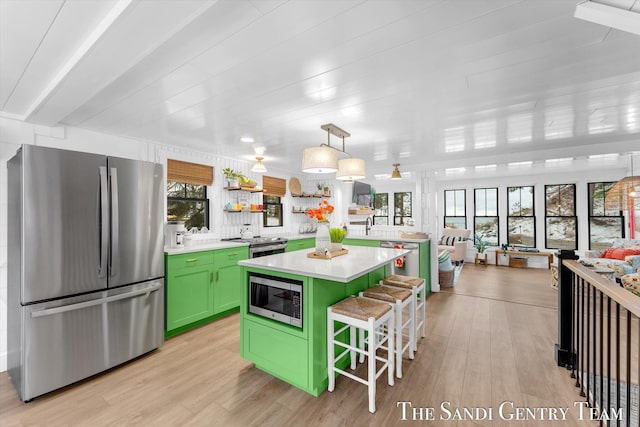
(404, 308)
(417, 286)
(376, 318)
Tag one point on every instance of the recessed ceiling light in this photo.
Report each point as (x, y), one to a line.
(247, 139)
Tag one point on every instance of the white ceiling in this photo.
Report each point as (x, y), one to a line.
(426, 83)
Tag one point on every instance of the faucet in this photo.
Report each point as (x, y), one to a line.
(367, 225)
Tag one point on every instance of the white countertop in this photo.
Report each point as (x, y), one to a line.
(360, 237)
(203, 247)
(344, 268)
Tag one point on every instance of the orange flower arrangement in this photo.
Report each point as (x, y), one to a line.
(321, 213)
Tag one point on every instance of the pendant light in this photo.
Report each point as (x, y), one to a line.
(319, 160)
(350, 169)
(324, 159)
(396, 173)
(259, 167)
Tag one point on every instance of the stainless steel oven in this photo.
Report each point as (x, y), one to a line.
(258, 250)
(276, 298)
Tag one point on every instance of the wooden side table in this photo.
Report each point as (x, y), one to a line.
(481, 258)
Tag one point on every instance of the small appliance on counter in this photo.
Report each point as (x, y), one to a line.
(174, 234)
(245, 233)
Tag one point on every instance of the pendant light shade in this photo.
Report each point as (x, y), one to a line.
(319, 160)
(396, 173)
(350, 169)
(259, 167)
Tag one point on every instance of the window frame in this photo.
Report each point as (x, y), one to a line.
(620, 215)
(464, 199)
(532, 216)
(395, 207)
(547, 217)
(204, 200)
(476, 216)
(375, 201)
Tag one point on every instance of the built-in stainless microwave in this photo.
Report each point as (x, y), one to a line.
(276, 298)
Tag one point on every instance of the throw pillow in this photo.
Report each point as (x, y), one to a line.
(620, 253)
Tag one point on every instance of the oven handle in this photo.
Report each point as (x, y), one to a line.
(259, 249)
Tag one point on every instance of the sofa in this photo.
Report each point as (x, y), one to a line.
(631, 282)
(456, 241)
(623, 257)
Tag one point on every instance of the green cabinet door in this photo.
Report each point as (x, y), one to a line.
(228, 280)
(296, 245)
(189, 295)
(362, 242)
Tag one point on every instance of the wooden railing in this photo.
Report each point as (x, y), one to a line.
(599, 342)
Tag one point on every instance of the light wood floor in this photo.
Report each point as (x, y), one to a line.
(478, 352)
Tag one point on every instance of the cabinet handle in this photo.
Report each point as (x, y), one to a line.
(233, 254)
(211, 277)
(217, 275)
(192, 259)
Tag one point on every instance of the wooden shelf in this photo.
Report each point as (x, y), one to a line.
(361, 211)
(309, 196)
(243, 210)
(247, 189)
(299, 212)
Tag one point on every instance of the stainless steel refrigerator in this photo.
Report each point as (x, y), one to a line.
(85, 265)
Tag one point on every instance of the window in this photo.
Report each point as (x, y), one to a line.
(604, 224)
(272, 211)
(485, 221)
(455, 208)
(521, 222)
(187, 193)
(381, 207)
(401, 207)
(273, 191)
(561, 223)
(188, 203)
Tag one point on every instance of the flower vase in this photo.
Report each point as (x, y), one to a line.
(323, 240)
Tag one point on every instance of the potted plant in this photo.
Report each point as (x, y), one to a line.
(479, 243)
(337, 236)
(233, 177)
(320, 187)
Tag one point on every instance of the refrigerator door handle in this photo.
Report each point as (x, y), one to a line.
(56, 310)
(103, 221)
(114, 259)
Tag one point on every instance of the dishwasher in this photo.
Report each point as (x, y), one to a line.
(408, 265)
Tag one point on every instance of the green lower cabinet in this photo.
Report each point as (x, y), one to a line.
(189, 296)
(362, 242)
(202, 286)
(274, 351)
(296, 245)
(226, 288)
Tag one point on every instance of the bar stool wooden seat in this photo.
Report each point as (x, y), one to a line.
(376, 318)
(404, 308)
(417, 286)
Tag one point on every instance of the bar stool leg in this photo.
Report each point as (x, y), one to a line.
(371, 366)
(352, 341)
(330, 353)
(423, 308)
(398, 313)
(361, 344)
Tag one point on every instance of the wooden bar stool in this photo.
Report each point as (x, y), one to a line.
(404, 308)
(417, 286)
(377, 319)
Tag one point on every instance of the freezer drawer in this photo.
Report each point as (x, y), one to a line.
(69, 340)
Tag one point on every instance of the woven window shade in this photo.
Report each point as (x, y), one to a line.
(274, 186)
(618, 197)
(191, 173)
